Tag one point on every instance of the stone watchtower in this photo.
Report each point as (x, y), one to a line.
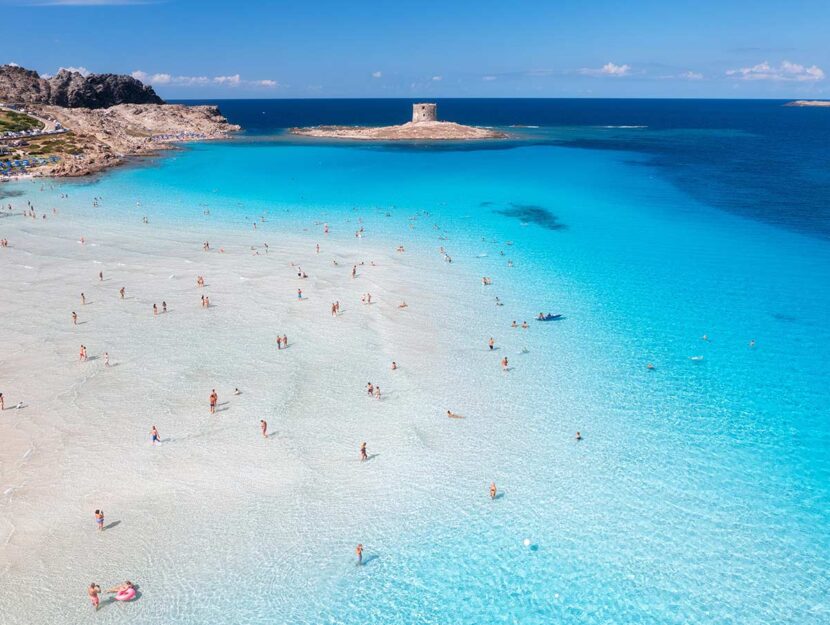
(424, 112)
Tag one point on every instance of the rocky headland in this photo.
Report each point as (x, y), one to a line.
(22, 86)
(73, 125)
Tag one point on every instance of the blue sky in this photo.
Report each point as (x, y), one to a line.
(454, 48)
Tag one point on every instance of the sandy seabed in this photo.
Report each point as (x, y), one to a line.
(215, 498)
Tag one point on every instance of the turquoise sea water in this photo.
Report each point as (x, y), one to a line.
(701, 491)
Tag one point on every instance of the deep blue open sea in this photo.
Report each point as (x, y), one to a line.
(701, 493)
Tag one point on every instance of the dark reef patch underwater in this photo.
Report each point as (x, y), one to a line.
(533, 214)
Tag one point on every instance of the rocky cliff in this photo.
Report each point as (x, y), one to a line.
(72, 90)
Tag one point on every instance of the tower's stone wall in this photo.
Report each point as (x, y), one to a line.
(424, 112)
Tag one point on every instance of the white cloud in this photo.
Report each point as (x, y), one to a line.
(691, 75)
(609, 69)
(785, 71)
(234, 80)
(377, 74)
(83, 71)
(12, 64)
(488, 78)
(437, 78)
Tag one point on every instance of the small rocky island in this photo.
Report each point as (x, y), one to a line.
(423, 127)
(818, 103)
(71, 124)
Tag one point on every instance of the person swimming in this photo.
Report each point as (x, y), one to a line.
(121, 587)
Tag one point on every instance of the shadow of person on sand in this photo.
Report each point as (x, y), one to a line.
(371, 457)
(499, 496)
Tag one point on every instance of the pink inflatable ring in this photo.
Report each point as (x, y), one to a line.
(128, 594)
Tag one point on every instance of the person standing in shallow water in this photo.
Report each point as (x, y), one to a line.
(363, 455)
(154, 435)
(99, 520)
(359, 551)
(93, 591)
(214, 398)
(263, 426)
(492, 490)
(491, 343)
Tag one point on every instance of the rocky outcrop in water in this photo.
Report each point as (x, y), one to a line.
(411, 131)
(72, 89)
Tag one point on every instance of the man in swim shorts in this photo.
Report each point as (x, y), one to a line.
(93, 591)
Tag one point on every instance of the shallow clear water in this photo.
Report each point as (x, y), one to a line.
(700, 493)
